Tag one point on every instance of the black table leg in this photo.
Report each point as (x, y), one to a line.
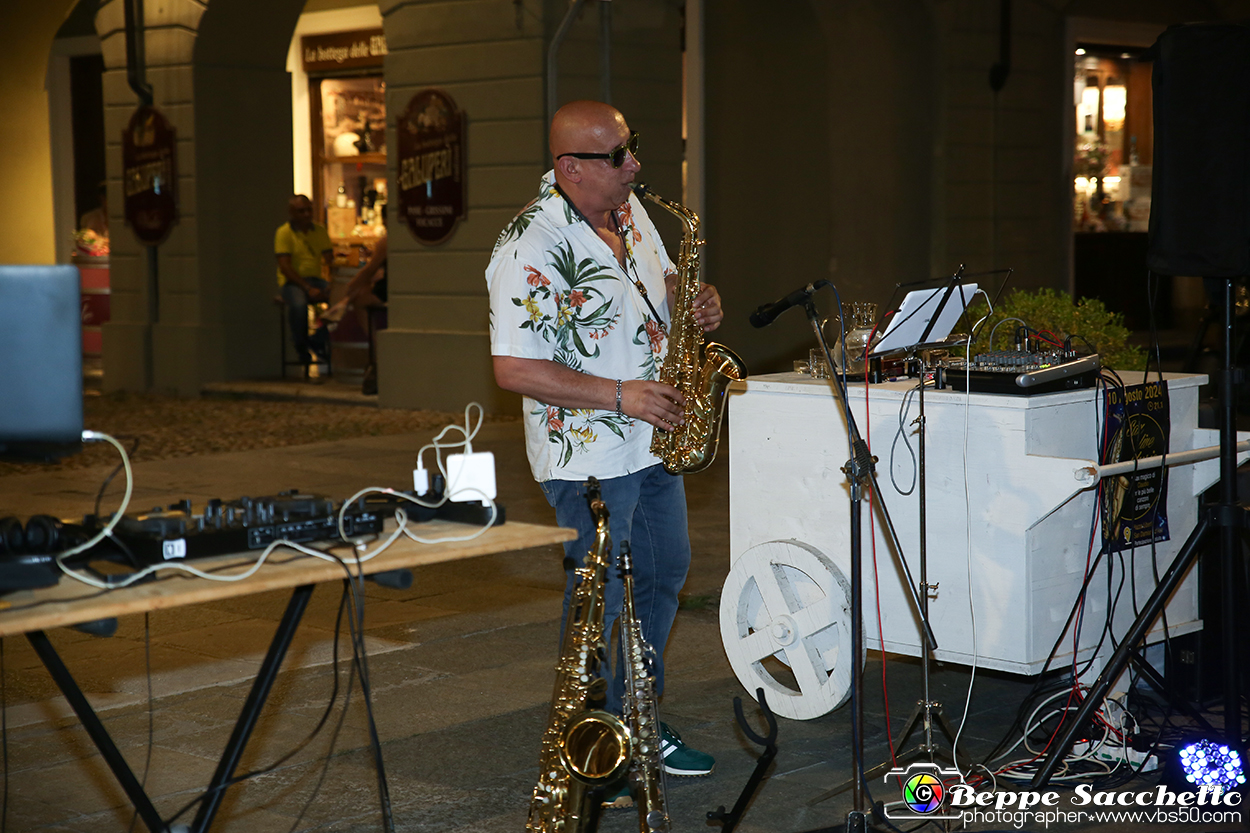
(95, 729)
(251, 708)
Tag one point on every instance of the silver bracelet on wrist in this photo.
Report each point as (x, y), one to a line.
(618, 397)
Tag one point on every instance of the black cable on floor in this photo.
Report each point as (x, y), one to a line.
(147, 664)
(4, 740)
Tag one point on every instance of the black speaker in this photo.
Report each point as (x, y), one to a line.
(1200, 200)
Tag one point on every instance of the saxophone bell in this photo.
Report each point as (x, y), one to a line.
(594, 747)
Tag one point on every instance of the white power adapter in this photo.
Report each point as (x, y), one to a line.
(470, 477)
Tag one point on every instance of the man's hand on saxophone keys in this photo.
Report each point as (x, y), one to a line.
(655, 402)
(707, 311)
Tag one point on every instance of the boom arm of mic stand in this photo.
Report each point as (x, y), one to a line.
(862, 469)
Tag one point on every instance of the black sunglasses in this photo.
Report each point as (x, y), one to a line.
(617, 154)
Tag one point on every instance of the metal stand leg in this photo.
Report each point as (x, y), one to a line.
(234, 747)
(927, 711)
(252, 707)
(95, 729)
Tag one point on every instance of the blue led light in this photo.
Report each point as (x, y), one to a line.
(1210, 763)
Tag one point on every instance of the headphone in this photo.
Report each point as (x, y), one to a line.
(42, 534)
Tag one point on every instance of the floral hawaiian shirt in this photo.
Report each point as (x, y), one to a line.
(558, 293)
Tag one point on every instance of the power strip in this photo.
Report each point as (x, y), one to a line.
(1114, 754)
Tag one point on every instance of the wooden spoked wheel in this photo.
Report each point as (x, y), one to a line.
(785, 618)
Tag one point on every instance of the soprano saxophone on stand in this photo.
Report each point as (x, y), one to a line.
(582, 748)
(642, 711)
(701, 372)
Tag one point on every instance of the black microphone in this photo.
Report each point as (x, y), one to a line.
(767, 313)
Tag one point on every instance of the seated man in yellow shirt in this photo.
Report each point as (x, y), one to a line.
(305, 256)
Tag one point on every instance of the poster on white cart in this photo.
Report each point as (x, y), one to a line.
(1135, 504)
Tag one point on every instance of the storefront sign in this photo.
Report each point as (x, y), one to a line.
(150, 176)
(1134, 505)
(343, 50)
(431, 166)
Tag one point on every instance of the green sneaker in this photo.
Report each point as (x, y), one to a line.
(680, 759)
(617, 799)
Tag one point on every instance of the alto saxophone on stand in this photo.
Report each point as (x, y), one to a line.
(582, 748)
(701, 372)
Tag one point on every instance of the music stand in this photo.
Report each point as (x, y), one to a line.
(860, 471)
(924, 320)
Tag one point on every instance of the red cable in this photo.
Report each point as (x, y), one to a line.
(872, 530)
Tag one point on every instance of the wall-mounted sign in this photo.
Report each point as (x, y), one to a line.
(431, 166)
(150, 176)
(343, 50)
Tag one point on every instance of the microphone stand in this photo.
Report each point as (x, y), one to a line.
(861, 471)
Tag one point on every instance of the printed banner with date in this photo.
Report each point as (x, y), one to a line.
(1134, 504)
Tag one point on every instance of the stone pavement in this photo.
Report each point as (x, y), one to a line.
(461, 666)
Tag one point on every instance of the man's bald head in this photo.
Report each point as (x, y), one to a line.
(581, 126)
(594, 185)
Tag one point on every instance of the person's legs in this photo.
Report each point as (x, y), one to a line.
(661, 553)
(296, 301)
(320, 339)
(660, 545)
(648, 509)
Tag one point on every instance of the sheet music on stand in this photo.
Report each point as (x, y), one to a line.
(924, 319)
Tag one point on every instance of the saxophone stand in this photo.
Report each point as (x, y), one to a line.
(729, 821)
(860, 471)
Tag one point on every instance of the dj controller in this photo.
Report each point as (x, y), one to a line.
(180, 532)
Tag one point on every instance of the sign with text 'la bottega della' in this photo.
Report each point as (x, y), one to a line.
(150, 175)
(431, 166)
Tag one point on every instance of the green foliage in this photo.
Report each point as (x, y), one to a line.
(1046, 309)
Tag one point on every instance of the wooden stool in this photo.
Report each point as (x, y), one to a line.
(280, 303)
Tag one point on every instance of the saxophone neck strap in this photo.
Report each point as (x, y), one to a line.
(629, 257)
(642, 289)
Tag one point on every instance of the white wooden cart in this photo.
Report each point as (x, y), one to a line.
(1008, 522)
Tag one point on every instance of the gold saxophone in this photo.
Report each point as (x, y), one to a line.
(582, 748)
(642, 712)
(701, 373)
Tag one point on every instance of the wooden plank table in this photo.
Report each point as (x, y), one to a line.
(74, 603)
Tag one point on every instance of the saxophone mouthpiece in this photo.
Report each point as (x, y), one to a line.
(639, 189)
(594, 499)
(625, 561)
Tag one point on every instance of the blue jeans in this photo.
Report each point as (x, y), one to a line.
(647, 509)
(297, 320)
